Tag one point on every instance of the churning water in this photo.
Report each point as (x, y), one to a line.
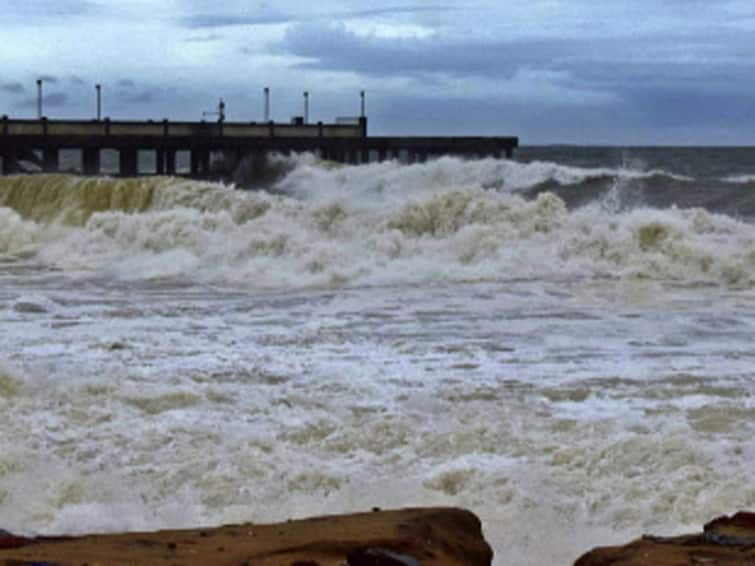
(563, 346)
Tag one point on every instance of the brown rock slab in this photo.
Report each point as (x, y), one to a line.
(726, 541)
(434, 536)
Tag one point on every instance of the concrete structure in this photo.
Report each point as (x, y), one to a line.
(40, 142)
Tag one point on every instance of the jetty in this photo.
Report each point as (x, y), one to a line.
(154, 147)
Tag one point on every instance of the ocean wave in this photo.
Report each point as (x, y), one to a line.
(739, 179)
(448, 220)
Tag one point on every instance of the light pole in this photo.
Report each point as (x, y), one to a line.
(361, 96)
(267, 104)
(306, 107)
(99, 101)
(39, 99)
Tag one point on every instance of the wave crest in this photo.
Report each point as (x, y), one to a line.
(370, 225)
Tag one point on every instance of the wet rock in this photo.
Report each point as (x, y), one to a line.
(408, 537)
(726, 541)
(379, 557)
(8, 540)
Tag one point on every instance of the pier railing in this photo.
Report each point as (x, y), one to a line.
(40, 142)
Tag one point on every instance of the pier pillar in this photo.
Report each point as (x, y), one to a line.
(365, 155)
(381, 155)
(204, 160)
(10, 165)
(50, 159)
(129, 163)
(90, 161)
(194, 166)
(159, 161)
(170, 161)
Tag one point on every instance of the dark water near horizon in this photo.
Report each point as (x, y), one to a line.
(719, 179)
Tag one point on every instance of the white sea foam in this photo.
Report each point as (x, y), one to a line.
(375, 224)
(585, 373)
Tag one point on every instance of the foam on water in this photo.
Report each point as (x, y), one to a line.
(581, 372)
(378, 224)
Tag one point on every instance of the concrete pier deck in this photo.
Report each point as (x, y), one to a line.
(40, 142)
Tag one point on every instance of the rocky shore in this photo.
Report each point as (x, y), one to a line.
(725, 541)
(408, 537)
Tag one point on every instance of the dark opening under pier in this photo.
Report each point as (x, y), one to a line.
(36, 145)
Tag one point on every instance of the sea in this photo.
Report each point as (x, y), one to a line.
(561, 342)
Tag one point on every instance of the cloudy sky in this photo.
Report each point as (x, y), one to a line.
(550, 71)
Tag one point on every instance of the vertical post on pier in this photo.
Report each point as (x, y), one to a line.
(194, 168)
(50, 159)
(99, 101)
(90, 157)
(9, 161)
(306, 107)
(267, 104)
(39, 99)
(129, 162)
(159, 161)
(204, 158)
(170, 161)
(362, 113)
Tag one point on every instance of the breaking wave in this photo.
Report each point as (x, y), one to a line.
(382, 223)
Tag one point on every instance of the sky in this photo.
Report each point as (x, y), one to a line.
(640, 72)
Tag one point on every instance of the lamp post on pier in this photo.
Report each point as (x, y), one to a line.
(99, 101)
(39, 99)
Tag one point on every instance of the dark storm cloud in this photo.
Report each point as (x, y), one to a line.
(203, 38)
(333, 47)
(51, 100)
(12, 88)
(48, 79)
(77, 80)
(626, 69)
(22, 10)
(126, 83)
(216, 21)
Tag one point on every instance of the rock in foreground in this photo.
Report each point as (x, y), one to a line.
(727, 541)
(407, 537)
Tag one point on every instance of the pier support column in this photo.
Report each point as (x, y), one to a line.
(129, 163)
(50, 159)
(90, 161)
(204, 159)
(10, 165)
(364, 155)
(170, 161)
(159, 161)
(381, 154)
(194, 167)
(200, 162)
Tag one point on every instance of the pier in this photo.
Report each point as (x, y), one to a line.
(36, 145)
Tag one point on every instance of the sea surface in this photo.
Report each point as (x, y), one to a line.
(562, 343)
